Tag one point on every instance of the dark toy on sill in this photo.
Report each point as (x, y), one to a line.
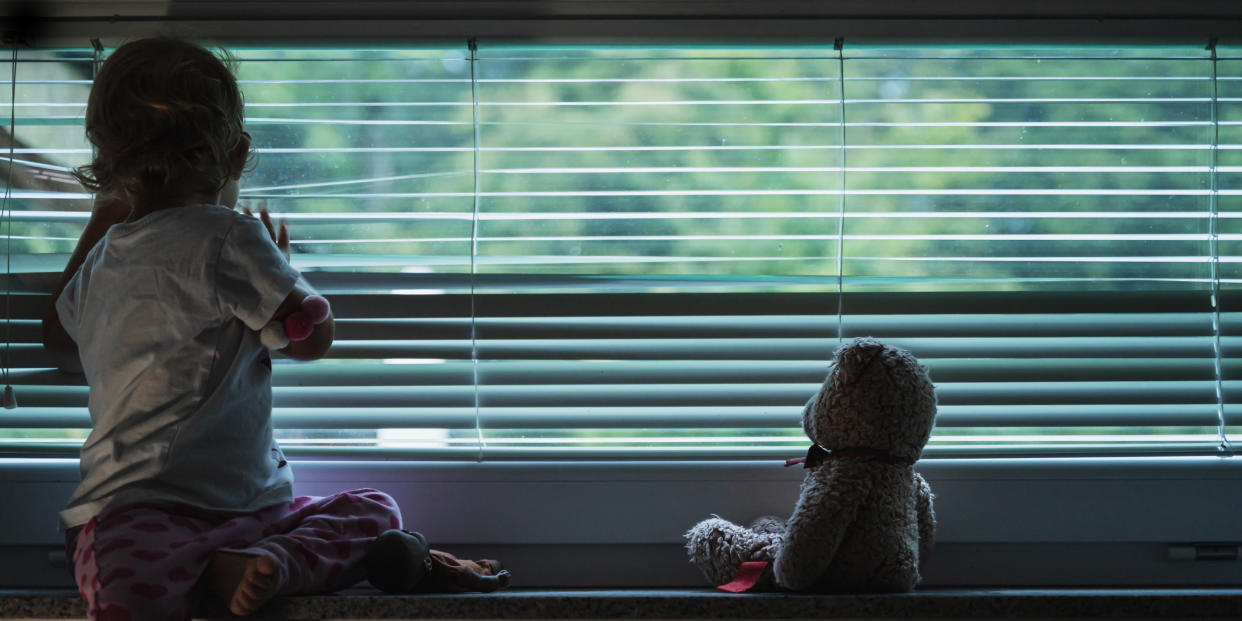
(401, 561)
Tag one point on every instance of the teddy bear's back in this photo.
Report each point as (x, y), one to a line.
(880, 549)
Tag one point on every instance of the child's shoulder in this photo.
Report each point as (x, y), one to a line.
(213, 213)
(176, 231)
(201, 219)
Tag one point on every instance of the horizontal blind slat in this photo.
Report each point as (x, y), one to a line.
(940, 370)
(690, 304)
(669, 417)
(775, 455)
(799, 326)
(722, 394)
(820, 349)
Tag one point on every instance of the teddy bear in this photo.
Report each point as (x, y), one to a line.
(863, 521)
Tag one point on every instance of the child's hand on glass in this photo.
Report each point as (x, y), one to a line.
(280, 234)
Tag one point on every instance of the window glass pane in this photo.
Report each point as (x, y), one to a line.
(613, 180)
(368, 153)
(1014, 175)
(1229, 226)
(49, 206)
(48, 210)
(637, 252)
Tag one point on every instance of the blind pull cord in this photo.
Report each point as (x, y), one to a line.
(839, 47)
(473, 46)
(1224, 446)
(10, 397)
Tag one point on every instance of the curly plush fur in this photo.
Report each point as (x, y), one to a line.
(719, 547)
(860, 524)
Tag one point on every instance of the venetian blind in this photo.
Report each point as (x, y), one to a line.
(544, 253)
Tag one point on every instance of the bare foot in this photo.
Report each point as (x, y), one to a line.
(245, 582)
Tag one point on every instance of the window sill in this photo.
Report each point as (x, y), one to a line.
(1032, 523)
(706, 604)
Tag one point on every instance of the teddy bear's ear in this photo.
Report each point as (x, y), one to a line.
(853, 358)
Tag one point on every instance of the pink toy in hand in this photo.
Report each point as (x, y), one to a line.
(299, 325)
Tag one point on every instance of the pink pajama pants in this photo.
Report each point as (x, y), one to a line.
(142, 562)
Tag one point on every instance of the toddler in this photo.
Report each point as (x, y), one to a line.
(184, 490)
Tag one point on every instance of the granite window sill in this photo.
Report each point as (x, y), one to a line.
(705, 604)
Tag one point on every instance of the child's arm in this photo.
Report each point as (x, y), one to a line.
(316, 345)
(59, 345)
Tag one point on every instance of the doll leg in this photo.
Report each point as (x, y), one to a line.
(719, 547)
(317, 543)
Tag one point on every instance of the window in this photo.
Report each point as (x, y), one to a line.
(618, 253)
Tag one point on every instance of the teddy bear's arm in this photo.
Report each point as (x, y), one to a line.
(927, 516)
(824, 512)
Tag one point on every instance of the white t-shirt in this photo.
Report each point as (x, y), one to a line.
(165, 312)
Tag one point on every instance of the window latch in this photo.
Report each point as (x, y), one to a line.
(1205, 552)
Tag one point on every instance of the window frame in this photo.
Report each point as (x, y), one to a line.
(1002, 521)
(604, 21)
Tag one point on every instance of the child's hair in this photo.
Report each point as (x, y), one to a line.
(165, 117)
